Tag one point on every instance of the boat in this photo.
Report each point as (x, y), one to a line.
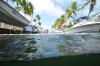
(90, 25)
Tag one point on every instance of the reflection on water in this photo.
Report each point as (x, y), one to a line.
(31, 47)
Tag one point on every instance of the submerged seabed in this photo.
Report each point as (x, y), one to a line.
(37, 46)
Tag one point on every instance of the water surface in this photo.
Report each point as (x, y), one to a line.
(37, 46)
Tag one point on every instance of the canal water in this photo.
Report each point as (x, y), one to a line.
(28, 47)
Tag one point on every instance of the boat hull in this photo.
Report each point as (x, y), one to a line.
(91, 28)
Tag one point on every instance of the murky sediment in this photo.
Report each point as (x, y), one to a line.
(31, 47)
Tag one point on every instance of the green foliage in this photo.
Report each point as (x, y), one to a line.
(18, 8)
(24, 5)
(74, 7)
(70, 11)
(39, 23)
(59, 22)
(34, 20)
(28, 9)
(69, 26)
(38, 17)
(37, 20)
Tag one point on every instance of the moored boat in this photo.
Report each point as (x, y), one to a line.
(92, 25)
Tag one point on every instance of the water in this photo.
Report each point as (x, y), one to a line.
(31, 47)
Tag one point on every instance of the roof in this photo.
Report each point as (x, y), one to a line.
(15, 18)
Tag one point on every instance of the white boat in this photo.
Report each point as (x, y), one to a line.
(87, 26)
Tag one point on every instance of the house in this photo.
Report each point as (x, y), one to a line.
(11, 21)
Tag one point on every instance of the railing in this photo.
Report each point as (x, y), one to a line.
(7, 26)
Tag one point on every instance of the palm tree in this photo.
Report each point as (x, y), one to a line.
(37, 21)
(92, 3)
(56, 24)
(24, 5)
(69, 25)
(28, 9)
(59, 22)
(34, 20)
(38, 17)
(68, 13)
(71, 10)
(74, 8)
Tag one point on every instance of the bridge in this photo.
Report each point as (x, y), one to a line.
(11, 21)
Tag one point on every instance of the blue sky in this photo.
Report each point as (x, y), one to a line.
(50, 10)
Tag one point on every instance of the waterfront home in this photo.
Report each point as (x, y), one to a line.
(11, 21)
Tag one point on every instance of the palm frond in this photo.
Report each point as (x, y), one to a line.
(84, 5)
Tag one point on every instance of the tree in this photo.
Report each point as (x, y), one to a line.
(37, 21)
(69, 25)
(92, 3)
(38, 17)
(70, 12)
(24, 5)
(59, 22)
(34, 20)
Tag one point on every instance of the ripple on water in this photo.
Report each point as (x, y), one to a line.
(31, 47)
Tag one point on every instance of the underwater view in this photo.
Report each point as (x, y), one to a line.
(50, 32)
(20, 47)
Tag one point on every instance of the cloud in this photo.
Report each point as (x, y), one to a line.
(46, 6)
(59, 1)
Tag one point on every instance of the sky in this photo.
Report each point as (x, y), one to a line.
(50, 10)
